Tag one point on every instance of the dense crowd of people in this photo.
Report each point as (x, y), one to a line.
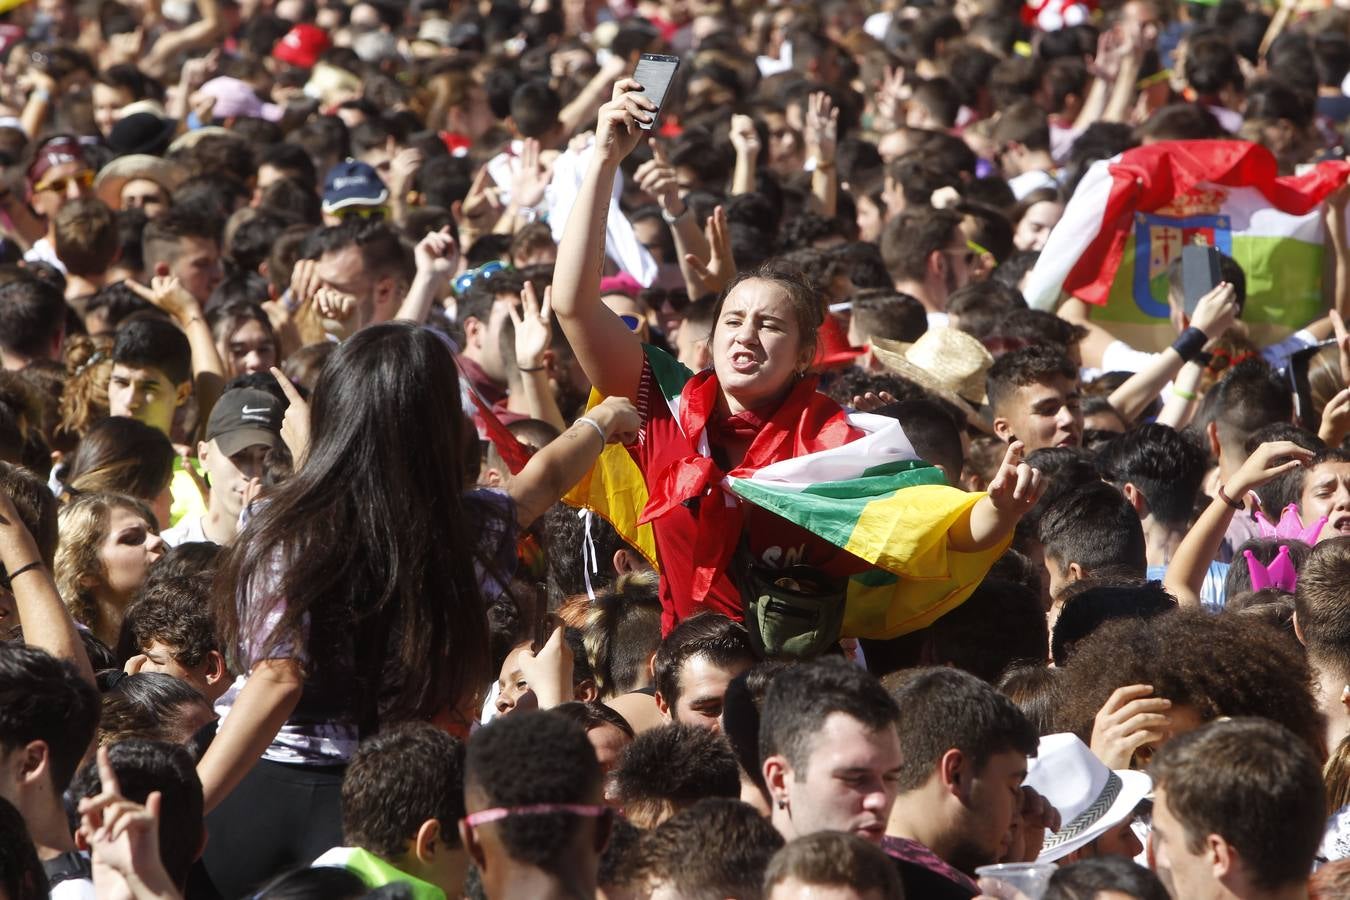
(438, 461)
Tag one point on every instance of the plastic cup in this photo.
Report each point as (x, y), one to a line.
(1015, 881)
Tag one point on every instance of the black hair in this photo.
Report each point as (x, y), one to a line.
(22, 876)
(174, 612)
(1001, 624)
(423, 640)
(144, 767)
(43, 698)
(950, 709)
(1212, 65)
(534, 108)
(1249, 397)
(382, 251)
(1029, 365)
(397, 780)
(1102, 874)
(154, 343)
(802, 697)
(708, 634)
(251, 242)
(118, 303)
(676, 765)
(718, 847)
(1161, 463)
(1087, 610)
(150, 706)
(1095, 527)
(32, 314)
(528, 758)
(315, 883)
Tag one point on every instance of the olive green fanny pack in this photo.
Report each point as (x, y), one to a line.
(795, 612)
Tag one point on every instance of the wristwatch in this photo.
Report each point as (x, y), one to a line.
(671, 220)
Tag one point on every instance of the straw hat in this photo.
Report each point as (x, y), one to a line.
(943, 360)
(115, 175)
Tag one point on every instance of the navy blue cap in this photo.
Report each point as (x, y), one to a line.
(353, 183)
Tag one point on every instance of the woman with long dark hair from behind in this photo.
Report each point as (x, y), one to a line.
(355, 598)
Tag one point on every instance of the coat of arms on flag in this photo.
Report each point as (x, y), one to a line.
(1131, 215)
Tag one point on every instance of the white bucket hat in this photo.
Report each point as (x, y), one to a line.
(1091, 798)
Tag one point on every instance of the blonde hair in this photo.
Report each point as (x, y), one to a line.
(84, 524)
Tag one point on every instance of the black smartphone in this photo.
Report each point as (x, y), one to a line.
(655, 73)
(1200, 273)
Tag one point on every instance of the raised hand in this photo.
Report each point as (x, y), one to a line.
(1267, 462)
(745, 137)
(168, 294)
(1017, 486)
(482, 205)
(718, 270)
(437, 254)
(657, 177)
(530, 180)
(295, 424)
(1131, 718)
(892, 94)
(403, 169)
(534, 326)
(1216, 311)
(549, 672)
(822, 128)
(618, 129)
(123, 840)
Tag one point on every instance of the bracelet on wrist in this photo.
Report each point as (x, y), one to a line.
(604, 438)
(672, 218)
(531, 368)
(1236, 504)
(1183, 394)
(35, 564)
(1190, 343)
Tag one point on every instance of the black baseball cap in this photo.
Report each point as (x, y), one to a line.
(244, 417)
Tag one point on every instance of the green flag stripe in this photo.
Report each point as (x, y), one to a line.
(831, 510)
(670, 374)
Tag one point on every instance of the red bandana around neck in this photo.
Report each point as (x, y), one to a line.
(805, 422)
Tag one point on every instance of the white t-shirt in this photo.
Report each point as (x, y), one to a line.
(1027, 182)
(43, 251)
(190, 529)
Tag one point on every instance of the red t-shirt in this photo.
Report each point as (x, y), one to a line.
(774, 541)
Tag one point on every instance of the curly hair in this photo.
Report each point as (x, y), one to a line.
(1217, 665)
(84, 527)
(88, 368)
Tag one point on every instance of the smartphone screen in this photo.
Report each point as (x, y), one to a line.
(655, 73)
(1200, 273)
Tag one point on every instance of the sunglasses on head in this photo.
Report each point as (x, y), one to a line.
(84, 178)
(465, 281)
(363, 212)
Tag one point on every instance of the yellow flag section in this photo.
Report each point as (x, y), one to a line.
(615, 491)
(919, 578)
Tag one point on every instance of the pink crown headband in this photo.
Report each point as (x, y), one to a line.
(1291, 527)
(1279, 574)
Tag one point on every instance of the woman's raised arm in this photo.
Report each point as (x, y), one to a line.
(610, 354)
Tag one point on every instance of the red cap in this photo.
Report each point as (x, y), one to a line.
(302, 46)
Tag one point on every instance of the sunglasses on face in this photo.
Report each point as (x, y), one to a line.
(83, 178)
(379, 213)
(465, 281)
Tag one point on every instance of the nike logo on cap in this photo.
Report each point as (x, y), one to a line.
(260, 410)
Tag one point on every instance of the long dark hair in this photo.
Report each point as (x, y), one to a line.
(370, 541)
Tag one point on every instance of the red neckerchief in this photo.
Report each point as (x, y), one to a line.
(805, 422)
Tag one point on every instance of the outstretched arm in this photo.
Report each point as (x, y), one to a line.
(609, 353)
(1014, 491)
(1186, 572)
